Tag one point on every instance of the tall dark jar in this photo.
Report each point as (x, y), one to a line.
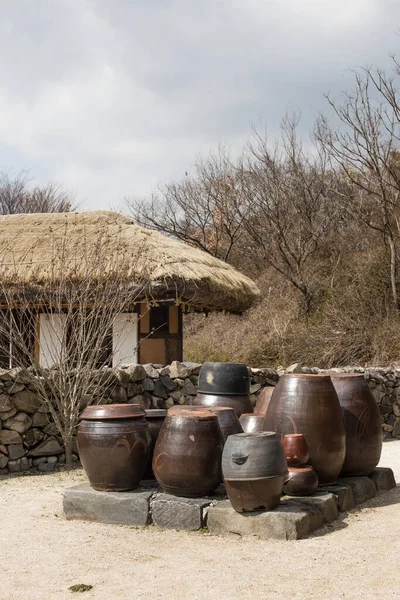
(114, 443)
(362, 424)
(187, 455)
(308, 404)
(224, 384)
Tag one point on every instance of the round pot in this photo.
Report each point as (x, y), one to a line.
(240, 404)
(187, 455)
(231, 379)
(155, 418)
(252, 423)
(254, 469)
(253, 456)
(362, 424)
(309, 404)
(263, 400)
(114, 444)
(301, 482)
(296, 449)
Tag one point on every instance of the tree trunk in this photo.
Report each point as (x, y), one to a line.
(68, 454)
(393, 270)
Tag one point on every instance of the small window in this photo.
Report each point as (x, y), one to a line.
(159, 320)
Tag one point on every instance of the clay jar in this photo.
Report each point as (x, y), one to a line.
(302, 481)
(227, 419)
(309, 404)
(155, 418)
(362, 424)
(114, 443)
(187, 455)
(254, 469)
(296, 449)
(224, 384)
(252, 423)
(263, 400)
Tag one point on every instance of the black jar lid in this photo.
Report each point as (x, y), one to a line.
(105, 412)
(224, 379)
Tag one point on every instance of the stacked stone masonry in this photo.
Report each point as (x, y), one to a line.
(30, 441)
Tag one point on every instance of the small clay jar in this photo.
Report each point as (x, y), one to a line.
(301, 482)
(296, 449)
(252, 423)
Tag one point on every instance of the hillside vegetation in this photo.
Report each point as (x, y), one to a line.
(316, 223)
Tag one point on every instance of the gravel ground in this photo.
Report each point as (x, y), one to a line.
(42, 554)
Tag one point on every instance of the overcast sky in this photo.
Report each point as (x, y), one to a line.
(111, 97)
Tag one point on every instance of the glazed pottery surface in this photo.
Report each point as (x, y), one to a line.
(252, 423)
(296, 449)
(308, 404)
(227, 419)
(240, 404)
(255, 494)
(301, 482)
(187, 455)
(114, 444)
(263, 400)
(362, 424)
(155, 418)
(249, 456)
(224, 378)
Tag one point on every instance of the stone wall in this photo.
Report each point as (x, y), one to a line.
(30, 441)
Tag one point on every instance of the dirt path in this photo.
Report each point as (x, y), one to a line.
(42, 554)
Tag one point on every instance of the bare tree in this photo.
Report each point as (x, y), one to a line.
(18, 196)
(206, 210)
(292, 205)
(80, 300)
(365, 147)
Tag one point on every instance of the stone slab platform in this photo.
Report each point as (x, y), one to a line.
(118, 508)
(294, 518)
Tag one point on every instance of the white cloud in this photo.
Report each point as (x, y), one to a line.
(109, 98)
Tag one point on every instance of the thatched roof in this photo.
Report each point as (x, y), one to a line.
(40, 249)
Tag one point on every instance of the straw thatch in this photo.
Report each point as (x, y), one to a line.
(40, 250)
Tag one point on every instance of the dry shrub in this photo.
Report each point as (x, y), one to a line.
(354, 322)
(258, 337)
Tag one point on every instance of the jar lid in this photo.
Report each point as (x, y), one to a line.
(192, 414)
(155, 412)
(100, 412)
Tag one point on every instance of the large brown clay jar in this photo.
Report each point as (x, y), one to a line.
(187, 455)
(362, 424)
(308, 404)
(155, 418)
(224, 384)
(114, 444)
